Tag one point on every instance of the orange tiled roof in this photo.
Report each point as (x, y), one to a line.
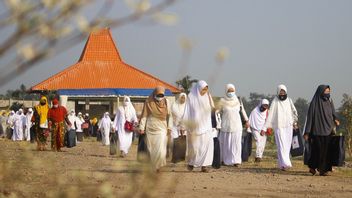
(100, 66)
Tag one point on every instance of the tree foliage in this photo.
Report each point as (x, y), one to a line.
(345, 112)
(185, 84)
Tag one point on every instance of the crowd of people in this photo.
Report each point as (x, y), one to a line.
(162, 122)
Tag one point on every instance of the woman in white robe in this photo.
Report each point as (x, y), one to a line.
(105, 127)
(19, 124)
(282, 116)
(177, 110)
(125, 113)
(257, 120)
(197, 122)
(230, 136)
(29, 115)
(79, 130)
(156, 123)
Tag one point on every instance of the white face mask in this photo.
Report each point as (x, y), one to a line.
(231, 94)
(56, 106)
(125, 104)
(159, 98)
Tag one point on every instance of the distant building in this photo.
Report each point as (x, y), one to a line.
(99, 80)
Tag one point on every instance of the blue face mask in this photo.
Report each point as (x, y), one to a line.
(231, 94)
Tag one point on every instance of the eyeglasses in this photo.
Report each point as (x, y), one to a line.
(160, 95)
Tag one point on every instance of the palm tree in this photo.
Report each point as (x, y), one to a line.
(186, 83)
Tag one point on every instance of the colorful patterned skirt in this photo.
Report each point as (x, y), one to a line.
(41, 137)
(57, 135)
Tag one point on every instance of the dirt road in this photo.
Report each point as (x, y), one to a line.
(88, 170)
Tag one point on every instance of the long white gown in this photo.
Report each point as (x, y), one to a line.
(27, 134)
(19, 123)
(257, 121)
(197, 121)
(126, 112)
(230, 136)
(281, 117)
(105, 127)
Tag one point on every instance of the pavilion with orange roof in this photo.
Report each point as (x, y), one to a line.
(101, 77)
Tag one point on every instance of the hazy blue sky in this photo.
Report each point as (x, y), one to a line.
(300, 43)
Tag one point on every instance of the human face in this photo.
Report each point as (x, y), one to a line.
(282, 92)
(230, 90)
(265, 106)
(327, 91)
(183, 99)
(204, 91)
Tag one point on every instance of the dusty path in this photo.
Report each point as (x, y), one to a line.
(87, 170)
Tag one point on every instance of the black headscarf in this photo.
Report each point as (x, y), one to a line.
(321, 114)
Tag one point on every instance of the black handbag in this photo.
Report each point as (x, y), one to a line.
(297, 147)
(337, 150)
(246, 146)
(307, 152)
(179, 149)
(142, 150)
(216, 158)
(113, 144)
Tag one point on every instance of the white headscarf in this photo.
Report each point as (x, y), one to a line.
(226, 101)
(257, 118)
(198, 110)
(105, 122)
(178, 109)
(128, 109)
(282, 113)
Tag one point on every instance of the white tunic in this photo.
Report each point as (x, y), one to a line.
(257, 121)
(19, 123)
(197, 120)
(29, 124)
(125, 138)
(281, 117)
(105, 127)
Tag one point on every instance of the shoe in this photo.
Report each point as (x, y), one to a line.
(324, 174)
(236, 165)
(205, 169)
(312, 171)
(190, 167)
(257, 160)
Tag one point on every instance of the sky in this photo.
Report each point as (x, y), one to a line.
(299, 43)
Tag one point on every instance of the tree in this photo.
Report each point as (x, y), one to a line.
(346, 120)
(302, 106)
(186, 83)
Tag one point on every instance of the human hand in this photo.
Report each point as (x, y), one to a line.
(306, 136)
(262, 133)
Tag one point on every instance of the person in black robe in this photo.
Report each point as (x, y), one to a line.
(321, 120)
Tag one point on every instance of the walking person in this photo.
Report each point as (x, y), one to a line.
(125, 118)
(156, 123)
(257, 120)
(105, 126)
(177, 110)
(282, 117)
(230, 136)
(79, 130)
(57, 116)
(19, 124)
(10, 124)
(321, 119)
(3, 125)
(29, 124)
(197, 122)
(40, 119)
